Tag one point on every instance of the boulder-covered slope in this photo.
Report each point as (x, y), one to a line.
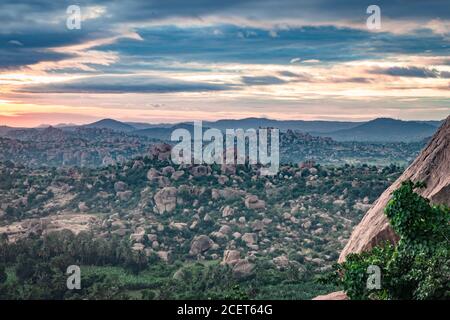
(432, 166)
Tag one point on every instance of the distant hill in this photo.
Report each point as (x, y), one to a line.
(284, 125)
(144, 125)
(378, 130)
(111, 124)
(385, 130)
(435, 123)
(155, 133)
(59, 125)
(164, 133)
(123, 126)
(42, 134)
(5, 129)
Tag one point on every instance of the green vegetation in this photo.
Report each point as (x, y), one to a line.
(34, 268)
(418, 266)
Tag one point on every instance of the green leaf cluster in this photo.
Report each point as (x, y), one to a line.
(418, 266)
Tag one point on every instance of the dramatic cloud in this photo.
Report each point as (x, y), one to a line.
(264, 80)
(230, 58)
(351, 80)
(414, 72)
(124, 84)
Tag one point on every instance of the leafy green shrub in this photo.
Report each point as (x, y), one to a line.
(418, 267)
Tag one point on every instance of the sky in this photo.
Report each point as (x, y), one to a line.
(178, 60)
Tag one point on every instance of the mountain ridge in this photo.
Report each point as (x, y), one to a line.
(385, 130)
(110, 124)
(376, 130)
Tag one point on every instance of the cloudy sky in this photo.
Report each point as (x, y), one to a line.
(175, 60)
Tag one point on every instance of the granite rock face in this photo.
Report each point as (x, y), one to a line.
(338, 295)
(160, 151)
(200, 244)
(166, 200)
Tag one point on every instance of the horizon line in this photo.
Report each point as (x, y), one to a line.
(63, 124)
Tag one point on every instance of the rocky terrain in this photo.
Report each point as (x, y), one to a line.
(76, 223)
(192, 213)
(88, 146)
(274, 232)
(297, 146)
(84, 147)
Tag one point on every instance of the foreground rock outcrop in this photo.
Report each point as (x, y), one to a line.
(338, 295)
(433, 167)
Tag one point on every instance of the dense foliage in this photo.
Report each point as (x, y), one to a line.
(35, 268)
(418, 267)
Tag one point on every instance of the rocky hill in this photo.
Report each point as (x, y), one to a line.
(297, 146)
(385, 130)
(86, 147)
(111, 124)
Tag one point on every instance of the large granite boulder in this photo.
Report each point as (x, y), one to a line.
(231, 257)
(243, 268)
(252, 202)
(160, 151)
(200, 244)
(166, 200)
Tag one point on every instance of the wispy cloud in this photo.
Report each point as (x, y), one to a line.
(262, 80)
(124, 84)
(414, 72)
